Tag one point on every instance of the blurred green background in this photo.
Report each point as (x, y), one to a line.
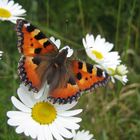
(111, 113)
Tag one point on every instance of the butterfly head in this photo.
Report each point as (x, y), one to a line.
(60, 59)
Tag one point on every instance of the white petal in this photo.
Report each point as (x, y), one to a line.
(74, 119)
(19, 13)
(17, 120)
(82, 135)
(71, 113)
(84, 43)
(32, 127)
(57, 42)
(26, 132)
(48, 133)
(55, 132)
(28, 127)
(67, 124)
(25, 96)
(19, 129)
(3, 3)
(13, 122)
(41, 133)
(89, 40)
(64, 132)
(15, 7)
(62, 108)
(14, 114)
(112, 79)
(10, 3)
(109, 46)
(19, 105)
(43, 93)
(70, 51)
(52, 39)
(123, 78)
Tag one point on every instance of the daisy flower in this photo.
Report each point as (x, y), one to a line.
(120, 74)
(10, 11)
(57, 42)
(40, 119)
(122, 69)
(82, 135)
(99, 50)
(1, 54)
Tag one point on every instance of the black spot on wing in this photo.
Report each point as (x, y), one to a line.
(99, 72)
(89, 68)
(31, 28)
(86, 78)
(40, 36)
(36, 60)
(47, 43)
(80, 65)
(72, 81)
(79, 76)
(38, 50)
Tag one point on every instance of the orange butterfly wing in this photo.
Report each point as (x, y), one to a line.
(65, 94)
(31, 72)
(85, 77)
(31, 41)
(88, 76)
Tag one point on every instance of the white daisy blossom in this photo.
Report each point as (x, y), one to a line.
(11, 11)
(82, 135)
(119, 72)
(111, 60)
(1, 54)
(122, 78)
(57, 42)
(99, 50)
(122, 69)
(40, 119)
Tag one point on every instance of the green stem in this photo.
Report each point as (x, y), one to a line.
(129, 29)
(14, 81)
(81, 16)
(137, 35)
(47, 5)
(118, 24)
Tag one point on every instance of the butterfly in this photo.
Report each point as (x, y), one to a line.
(41, 62)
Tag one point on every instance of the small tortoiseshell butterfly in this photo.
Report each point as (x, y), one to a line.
(41, 61)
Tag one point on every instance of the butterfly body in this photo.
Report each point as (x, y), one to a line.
(42, 62)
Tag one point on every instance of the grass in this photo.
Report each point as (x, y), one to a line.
(112, 112)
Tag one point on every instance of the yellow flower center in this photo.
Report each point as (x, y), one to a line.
(43, 113)
(4, 13)
(111, 71)
(97, 54)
